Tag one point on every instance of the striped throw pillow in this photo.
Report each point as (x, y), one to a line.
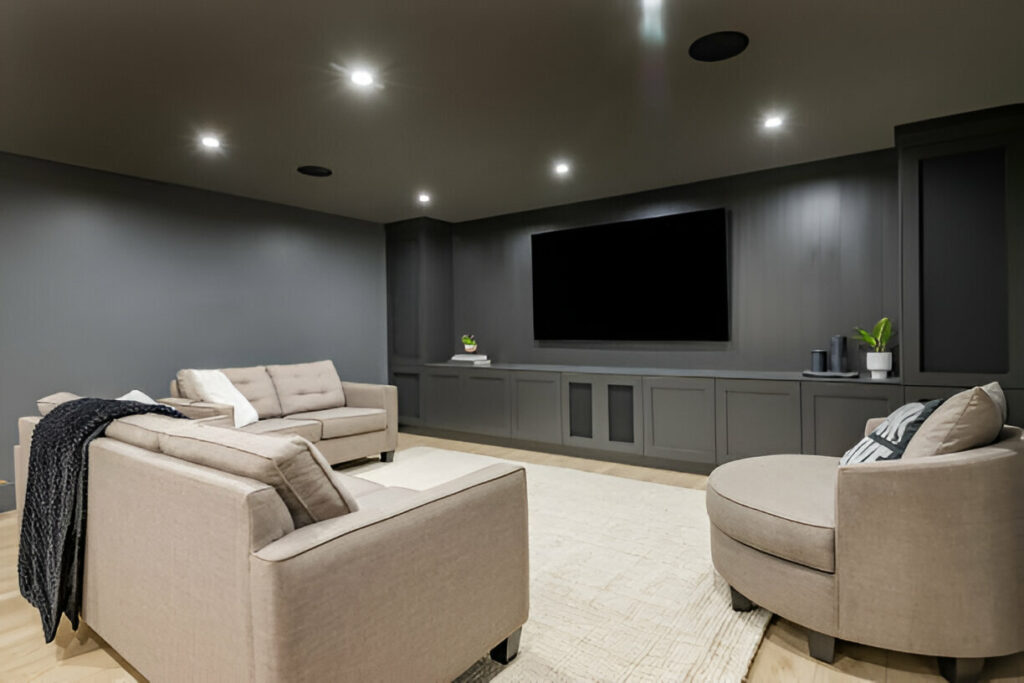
(890, 438)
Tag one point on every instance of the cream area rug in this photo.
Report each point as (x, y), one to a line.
(622, 587)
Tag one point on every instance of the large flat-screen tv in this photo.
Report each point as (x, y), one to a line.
(655, 279)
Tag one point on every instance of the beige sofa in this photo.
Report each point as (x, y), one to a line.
(347, 420)
(920, 555)
(294, 572)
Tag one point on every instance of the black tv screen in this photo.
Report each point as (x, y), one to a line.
(655, 279)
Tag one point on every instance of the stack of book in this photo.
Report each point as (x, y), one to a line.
(470, 359)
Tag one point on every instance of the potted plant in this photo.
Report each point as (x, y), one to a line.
(879, 360)
(469, 341)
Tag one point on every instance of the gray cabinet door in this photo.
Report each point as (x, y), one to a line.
(834, 413)
(537, 406)
(441, 406)
(486, 402)
(407, 381)
(603, 412)
(756, 417)
(679, 418)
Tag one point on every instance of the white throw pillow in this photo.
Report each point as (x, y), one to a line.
(213, 386)
(137, 396)
(890, 439)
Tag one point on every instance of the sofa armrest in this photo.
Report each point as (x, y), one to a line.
(444, 570)
(360, 395)
(384, 396)
(198, 410)
(928, 552)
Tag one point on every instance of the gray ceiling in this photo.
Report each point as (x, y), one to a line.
(480, 96)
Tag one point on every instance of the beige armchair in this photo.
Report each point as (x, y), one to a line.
(923, 555)
(196, 574)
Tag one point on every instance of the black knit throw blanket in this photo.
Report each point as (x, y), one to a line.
(52, 546)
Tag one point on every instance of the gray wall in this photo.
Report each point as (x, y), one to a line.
(815, 251)
(111, 283)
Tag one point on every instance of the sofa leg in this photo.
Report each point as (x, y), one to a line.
(505, 651)
(387, 456)
(961, 669)
(822, 647)
(740, 602)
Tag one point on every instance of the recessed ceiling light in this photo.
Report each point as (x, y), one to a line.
(210, 141)
(315, 171)
(562, 168)
(362, 78)
(423, 198)
(714, 47)
(773, 121)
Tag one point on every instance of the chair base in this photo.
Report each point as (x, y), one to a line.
(387, 456)
(822, 647)
(740, 602)
(505, 651)
(961, 669)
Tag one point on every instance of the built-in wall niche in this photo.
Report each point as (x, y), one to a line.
(962, 219)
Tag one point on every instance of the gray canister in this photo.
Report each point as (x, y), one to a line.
(837, 354)
(819, 360)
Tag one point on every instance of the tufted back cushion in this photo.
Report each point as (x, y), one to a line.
(253, 383)
(307, 386)
(256, 385)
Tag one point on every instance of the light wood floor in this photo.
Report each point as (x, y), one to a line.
(782, 656)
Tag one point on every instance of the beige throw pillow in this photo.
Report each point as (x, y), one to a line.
(970, 419)
(995, 392)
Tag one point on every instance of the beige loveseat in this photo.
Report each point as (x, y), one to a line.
(216, 555)
(921, 555)
(346, 420)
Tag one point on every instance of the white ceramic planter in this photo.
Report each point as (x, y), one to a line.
(470, 348)
(880, 364)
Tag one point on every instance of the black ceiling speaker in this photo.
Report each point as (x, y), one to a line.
(315, 171)
(714, 47)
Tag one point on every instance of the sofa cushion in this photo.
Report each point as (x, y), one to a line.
(967, 420)
(292, 465)
(783, 505)
(347, 421)
(144, 430)
(307, 386)
(256, 385)
(307, 429)
(48, 403)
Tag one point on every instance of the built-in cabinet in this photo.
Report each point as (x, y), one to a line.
(537, 406)
(604, 412)
(833, 414)
(679, 418)
(697, 422)
(756, 417)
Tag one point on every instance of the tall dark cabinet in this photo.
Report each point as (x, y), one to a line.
(962, 219)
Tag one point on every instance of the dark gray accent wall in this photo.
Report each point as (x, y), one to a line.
(111, 283)
(815, 251)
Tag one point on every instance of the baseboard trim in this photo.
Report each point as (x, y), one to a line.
(560, 449)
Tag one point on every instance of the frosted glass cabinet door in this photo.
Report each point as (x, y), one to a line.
(603, 412)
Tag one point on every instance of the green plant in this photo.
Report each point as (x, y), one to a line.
(878, 338)
(468, 339)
